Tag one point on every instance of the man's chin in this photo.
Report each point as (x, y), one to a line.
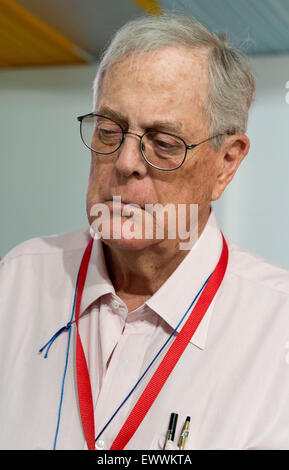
(133, 244)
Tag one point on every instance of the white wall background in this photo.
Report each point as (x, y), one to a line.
(254, 210)
(44, 166)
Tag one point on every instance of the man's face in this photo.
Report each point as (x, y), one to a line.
(163, 90)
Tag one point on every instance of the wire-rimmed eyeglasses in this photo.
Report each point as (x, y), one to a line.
(161, 150)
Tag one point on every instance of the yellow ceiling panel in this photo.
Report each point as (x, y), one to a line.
(25, 40)
(150, 6)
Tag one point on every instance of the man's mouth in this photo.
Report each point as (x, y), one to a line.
(117, 201)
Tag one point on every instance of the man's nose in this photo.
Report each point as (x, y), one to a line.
(129, 158)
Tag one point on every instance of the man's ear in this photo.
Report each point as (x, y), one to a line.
(230, 156)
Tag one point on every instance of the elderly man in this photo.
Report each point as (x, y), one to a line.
(132, 328)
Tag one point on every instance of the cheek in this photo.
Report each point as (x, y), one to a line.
(99, 177)
(198, 177)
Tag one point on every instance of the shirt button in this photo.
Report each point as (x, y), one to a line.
(100, 444)
(115, 304)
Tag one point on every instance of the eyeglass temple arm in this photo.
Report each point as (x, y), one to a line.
(210, 138)
(79, 118)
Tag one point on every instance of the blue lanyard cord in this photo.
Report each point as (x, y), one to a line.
(48, 346)
(153, 360)
(49, 343)
(65, 366)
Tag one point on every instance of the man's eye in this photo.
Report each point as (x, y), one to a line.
(109, 132)
(165, 145)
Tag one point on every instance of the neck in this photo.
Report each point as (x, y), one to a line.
(139, 274)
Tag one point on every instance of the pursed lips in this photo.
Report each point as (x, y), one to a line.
(125, 202)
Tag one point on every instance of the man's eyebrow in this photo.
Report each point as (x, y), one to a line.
(159, 125)
(166, 126)
(106, 111)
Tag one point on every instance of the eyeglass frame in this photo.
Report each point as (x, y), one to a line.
(187, 147)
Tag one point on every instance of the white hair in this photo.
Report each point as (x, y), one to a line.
(232, 84)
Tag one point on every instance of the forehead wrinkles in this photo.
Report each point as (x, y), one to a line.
(173, 75)
(165, 66)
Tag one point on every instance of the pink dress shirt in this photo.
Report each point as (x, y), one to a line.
(232, 380)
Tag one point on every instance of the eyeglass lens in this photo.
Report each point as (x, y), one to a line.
(105, 136)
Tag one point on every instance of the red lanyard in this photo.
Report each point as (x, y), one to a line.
(164, 369)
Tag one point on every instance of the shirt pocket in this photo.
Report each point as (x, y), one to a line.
(170, 445)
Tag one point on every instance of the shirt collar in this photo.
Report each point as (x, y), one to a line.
(175, 296)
